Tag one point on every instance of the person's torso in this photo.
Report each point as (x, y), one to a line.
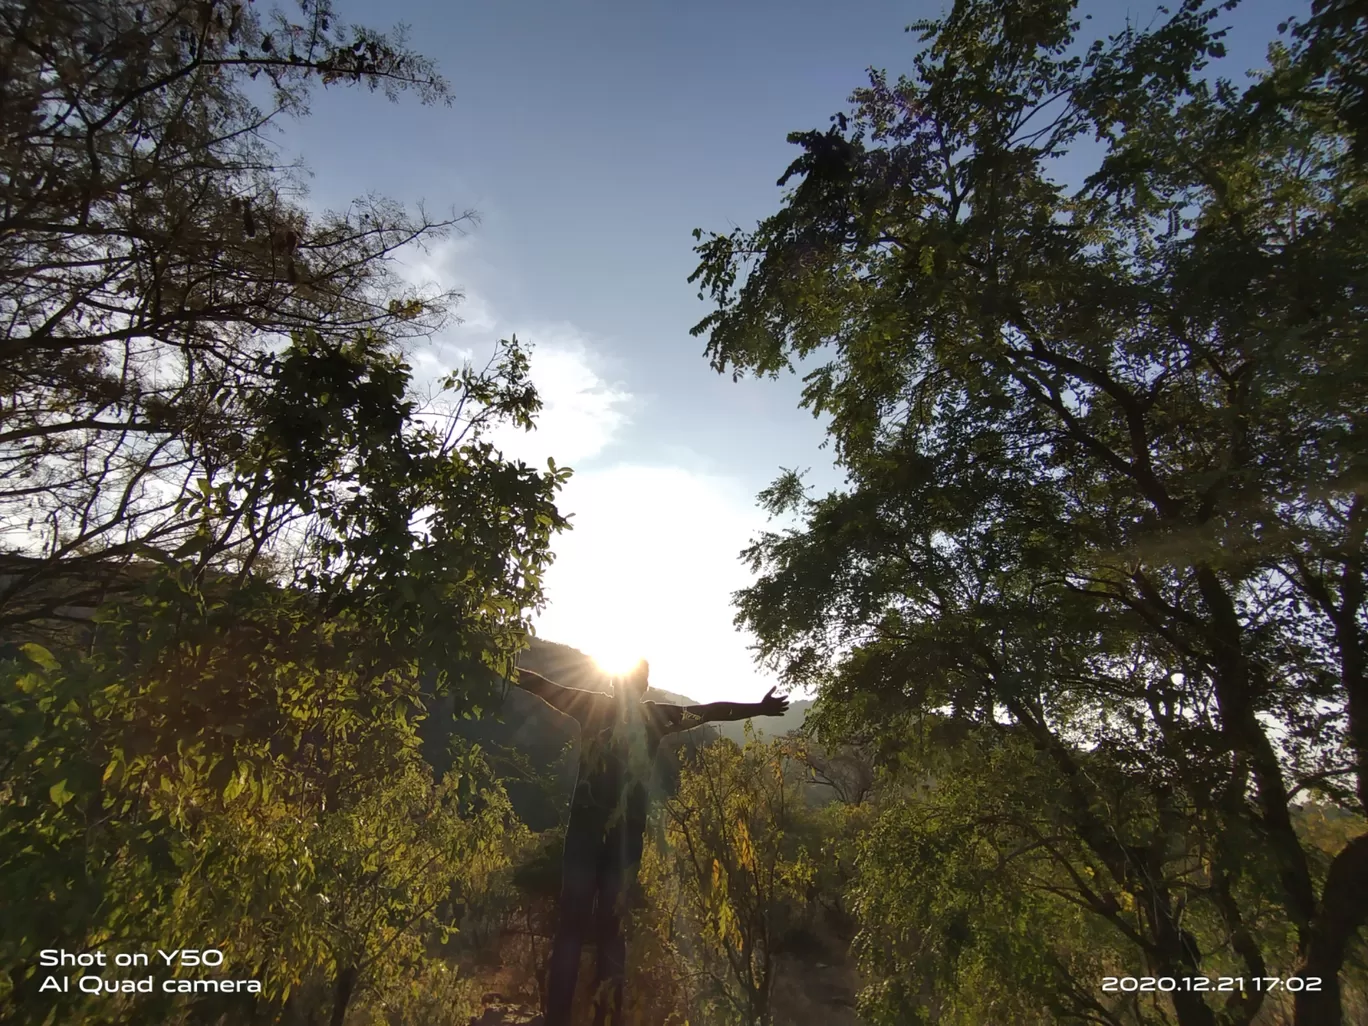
(618, 746)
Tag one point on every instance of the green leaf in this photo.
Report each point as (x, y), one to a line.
(222, 774)
(40, 655)
(59, 794)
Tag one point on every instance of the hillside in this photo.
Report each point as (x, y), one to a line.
(537, 747)
(768, 726)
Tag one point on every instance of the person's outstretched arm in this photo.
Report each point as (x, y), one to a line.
(716, 712)
(571, 701)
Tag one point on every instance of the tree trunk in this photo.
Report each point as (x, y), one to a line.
(1343, 910)
(342, 995)
(1192, 1009)
(1240, 724)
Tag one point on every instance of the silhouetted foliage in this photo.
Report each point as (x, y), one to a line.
(1107, 488)
(240, 556)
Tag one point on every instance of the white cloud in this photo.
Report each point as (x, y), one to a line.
(451, 264)
(581, 412)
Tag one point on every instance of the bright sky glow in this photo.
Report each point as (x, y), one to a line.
(616, 659)
(650, 564)
(592, 138)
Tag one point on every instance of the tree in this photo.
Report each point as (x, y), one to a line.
(155, 259)
(730, 863)
(357, 889)
(977, 901)
(251, 556)
(1104, 446)
(1333, 57)
(416, 577)
(337, 862)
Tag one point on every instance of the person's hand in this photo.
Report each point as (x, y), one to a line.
(772, 704)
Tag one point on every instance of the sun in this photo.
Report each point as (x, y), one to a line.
(616, 660)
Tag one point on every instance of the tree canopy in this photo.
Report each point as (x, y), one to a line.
(241, 556)
(1105, 447)
(157, 260)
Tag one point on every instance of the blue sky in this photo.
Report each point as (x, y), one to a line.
(592, 136)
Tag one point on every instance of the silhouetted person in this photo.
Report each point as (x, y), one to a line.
(620, 735)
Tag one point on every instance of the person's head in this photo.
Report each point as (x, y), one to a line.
(633, 683)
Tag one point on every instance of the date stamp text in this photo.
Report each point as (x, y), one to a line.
(1234, 984)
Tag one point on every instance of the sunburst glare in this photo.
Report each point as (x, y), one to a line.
(616, 660)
